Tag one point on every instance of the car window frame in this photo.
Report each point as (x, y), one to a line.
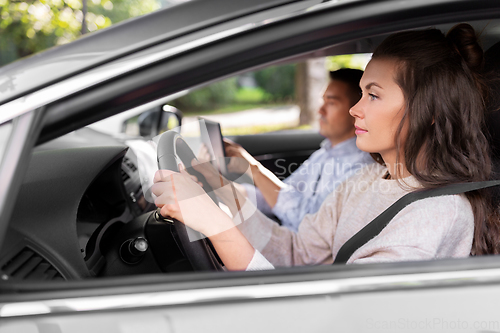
(15, 160)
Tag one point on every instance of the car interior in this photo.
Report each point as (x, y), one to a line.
(81, 211)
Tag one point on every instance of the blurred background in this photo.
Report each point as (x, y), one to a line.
(286, 96)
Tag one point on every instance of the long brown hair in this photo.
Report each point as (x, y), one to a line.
(445, 102)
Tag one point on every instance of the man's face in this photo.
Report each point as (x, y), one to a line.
(335, 123)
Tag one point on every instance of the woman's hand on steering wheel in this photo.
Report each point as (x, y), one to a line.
(181, 198)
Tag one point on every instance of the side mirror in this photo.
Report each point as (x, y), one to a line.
(155, 121)
(170, 118)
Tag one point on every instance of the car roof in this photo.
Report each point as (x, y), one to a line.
(55, 64)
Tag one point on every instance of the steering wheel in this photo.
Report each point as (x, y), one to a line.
(200, 253)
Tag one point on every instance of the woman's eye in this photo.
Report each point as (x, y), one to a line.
(372, 97)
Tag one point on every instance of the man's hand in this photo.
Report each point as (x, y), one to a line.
(268, 184)
(240, 159)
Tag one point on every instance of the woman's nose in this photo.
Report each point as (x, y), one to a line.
(355, 110)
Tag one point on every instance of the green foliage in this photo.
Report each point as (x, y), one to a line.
(32, 26)
(251, 95)
(210, 97)
(357, 61)
(246, 130)
(275, 85)
(278, 82)
(230, 108)
(119, 10)
(29, 28)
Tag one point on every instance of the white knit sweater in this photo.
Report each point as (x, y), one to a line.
(432, 228)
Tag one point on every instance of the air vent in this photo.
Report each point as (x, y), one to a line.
(29, 265)
(125, 176)
(130, 164)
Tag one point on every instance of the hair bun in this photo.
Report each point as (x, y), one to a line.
(464, 39)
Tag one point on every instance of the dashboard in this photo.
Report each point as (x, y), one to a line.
(73, 186)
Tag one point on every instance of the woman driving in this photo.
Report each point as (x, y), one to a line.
(421, 116)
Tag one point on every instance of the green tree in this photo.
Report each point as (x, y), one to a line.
(210, 97)
(357, 61)
(278, 82)
(118, 10)
(27, 27)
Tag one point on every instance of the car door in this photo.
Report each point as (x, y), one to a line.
(412, 296)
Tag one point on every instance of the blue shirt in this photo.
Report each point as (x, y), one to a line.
(310, 184)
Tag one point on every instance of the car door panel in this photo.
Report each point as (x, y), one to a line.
(281, 152)
(396, 299)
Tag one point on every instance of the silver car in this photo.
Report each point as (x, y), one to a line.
(71, 204)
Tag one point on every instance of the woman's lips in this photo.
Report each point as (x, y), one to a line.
(359, 130)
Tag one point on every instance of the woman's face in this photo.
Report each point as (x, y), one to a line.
(380, 110)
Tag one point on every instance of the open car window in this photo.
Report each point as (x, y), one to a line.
(275, 98)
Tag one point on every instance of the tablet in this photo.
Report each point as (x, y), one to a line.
(211, 136)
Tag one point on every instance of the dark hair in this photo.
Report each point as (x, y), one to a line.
(351, 77)
(444, 113)
(492, 73)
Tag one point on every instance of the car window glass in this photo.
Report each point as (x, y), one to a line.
(279, 97)
(46, 26)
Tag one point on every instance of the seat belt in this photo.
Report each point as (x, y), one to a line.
(373, 228)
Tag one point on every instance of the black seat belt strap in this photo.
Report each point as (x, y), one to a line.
(373, 228)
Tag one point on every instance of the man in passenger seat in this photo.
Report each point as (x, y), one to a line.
(304, 191)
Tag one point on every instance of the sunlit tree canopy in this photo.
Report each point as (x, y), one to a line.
(27, 27)
(358, 61)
